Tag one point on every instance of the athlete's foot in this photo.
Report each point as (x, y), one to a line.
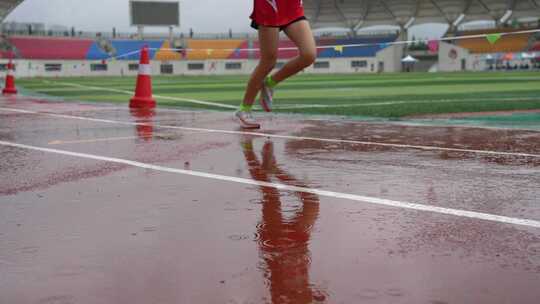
(246, 120)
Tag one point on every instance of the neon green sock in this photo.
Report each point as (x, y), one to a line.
(269, 81)
(245, 108)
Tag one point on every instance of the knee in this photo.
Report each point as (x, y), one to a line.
(308, 57)
(269, 60)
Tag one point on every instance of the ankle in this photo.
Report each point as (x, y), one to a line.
(269, 81)
(245, 107)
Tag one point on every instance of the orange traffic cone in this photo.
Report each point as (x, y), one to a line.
(143, 91)
(10, 89)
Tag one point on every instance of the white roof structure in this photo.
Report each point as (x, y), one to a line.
(6, 6)
(355, 14)
(409, 59)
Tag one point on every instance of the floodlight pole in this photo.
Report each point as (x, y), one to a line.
(140, 30)
(171, 33)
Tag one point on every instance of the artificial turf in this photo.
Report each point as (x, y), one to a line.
(384, 95)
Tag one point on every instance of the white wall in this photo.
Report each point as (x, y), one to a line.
(451, 56)
(391, 56)
(74, 68)
(476, 62)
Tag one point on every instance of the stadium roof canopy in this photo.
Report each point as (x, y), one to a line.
(355, 14)
(6, 6)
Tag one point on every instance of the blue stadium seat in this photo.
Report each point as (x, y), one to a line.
(124, 47)
(376, 44)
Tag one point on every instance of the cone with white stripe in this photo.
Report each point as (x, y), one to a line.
(10, 89)
(143, 91)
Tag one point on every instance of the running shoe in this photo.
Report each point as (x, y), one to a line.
(246, 120)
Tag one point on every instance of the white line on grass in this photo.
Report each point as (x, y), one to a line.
(315, 106)
(396, 102)
(299, 106)
(332, 194)
(189, 100)
(331, 140)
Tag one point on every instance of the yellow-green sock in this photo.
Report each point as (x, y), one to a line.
(270, 82)
(245, 108)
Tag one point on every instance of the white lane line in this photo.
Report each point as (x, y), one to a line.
(93, 140)
(331, 140)
(332, 194)
(94, 108)
(64, 142)
(397, 102)
(189, 100)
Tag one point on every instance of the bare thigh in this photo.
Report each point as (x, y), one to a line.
(300, 33)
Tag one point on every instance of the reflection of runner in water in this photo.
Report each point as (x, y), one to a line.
(283, 240)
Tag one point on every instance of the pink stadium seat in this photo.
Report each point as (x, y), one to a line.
(51, 48)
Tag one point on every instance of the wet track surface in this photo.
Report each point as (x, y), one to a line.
(80, 230)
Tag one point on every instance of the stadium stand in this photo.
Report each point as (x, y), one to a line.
(376, 43)
(6, 6)
(123, 47)
(212, 49)
(360, 51)
(282, 54)
(167, 54)
(31, 47)
(364, 13)
(506, 44)
(50, 48)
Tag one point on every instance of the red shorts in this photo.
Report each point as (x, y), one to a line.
(277, 13)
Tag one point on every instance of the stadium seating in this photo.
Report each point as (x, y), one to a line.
(375, 44)
(166, 53)
(242, 53)
(50, 48)
(506, 44)
(212, 49)
(31, 47)
(372, 46)
(123, 47)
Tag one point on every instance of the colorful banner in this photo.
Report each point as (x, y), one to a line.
(492, 38)
(339, 48)
(433, 46)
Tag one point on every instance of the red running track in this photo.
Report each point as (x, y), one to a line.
(75, 229)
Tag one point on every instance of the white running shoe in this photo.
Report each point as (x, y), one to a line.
(246, 120)
(267, 97)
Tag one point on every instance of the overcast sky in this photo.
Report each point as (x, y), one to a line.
(204, 16)
(102, 15)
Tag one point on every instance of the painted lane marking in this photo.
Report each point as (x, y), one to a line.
(304, 106)
(397, 102)
(325, 193)
(189, 100)
(291, 137)
(93, 140)
(65, 142)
